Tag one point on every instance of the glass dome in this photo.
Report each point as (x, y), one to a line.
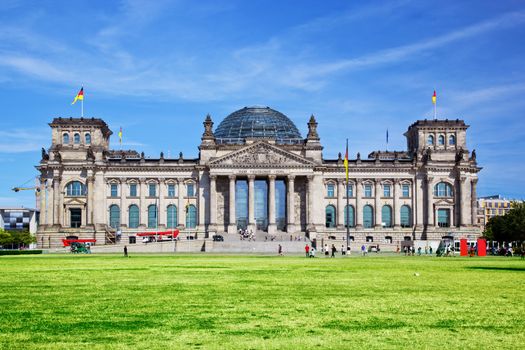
(257, 122)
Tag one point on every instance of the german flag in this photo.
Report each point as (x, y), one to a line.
(79, 96)
(434, 97)
(346, 161)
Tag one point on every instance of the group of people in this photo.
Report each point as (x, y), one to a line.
(246, 235)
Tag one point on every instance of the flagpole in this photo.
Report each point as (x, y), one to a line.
(82, 108)
(347, 203)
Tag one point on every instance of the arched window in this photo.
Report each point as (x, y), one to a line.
(406, 217)
(452, 140)
(441, 140)
(191, 216)
(172, 216)
(368, 216)
(330, 216)
(330, 190)
(114, 216)
(430, 140)
(152, 216)
(76, 138)
(134, 216)
(443, 189)
(75, 188)
(386, 216)
(88, 139)
(65, 139)
(349, 216)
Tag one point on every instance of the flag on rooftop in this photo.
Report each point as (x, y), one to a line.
(346, 160)
(79, 96)
(120, 135)
(434, 97)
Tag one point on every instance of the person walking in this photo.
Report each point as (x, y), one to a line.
(126, 251)
(326, 252)
(280, 250)
(333, 251)
(363, 250)
(312, 252)
(343, 250)
(307, 250)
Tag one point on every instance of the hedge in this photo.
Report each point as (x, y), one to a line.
(20, 252)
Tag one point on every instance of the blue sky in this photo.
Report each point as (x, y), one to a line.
(156, 68)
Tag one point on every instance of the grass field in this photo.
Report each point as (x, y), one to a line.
(260, 302)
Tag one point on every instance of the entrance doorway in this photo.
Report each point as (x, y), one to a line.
(75, 216)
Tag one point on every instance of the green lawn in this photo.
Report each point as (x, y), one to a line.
(260, 302)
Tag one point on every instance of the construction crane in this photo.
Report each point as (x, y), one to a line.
(18, 189)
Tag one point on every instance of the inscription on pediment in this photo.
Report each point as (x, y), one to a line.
(260, 154)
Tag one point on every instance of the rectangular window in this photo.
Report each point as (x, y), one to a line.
(171, 190)
(350, 190)
(368, 190)
(152, 190)
(133, 190)
(330, 190)
(114, 190)
(443, 217)
(190, 190)
(406, 191)
(386, 190)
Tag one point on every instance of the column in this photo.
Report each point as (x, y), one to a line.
(124, 204)
(90, 181)
(201, 188)
(143, 208)
(122, 194)
(56, 200)
(232, 227)
(396, 215)
(272, 227)
(358, 204)
(310, 225)
(430, 204)
(340, 204)
(251, 202)
(213, 202)
(473, 204)
(464, 201)
(161, 209)
(290, 225)
(417, 202)
(377, 203)
(181, 210)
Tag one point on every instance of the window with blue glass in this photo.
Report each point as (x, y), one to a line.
(350, 190)
(443, 217)
(114, 216)
(191, 216)
(386, 216)
(152, 190)
(134, 216)
(443, 189)
(76, 138)
(88, 139)
(65, 139)
(152, 216)
(368, 190)
(386, 190)
(171, 190)
(430, 140)
(330, 190)
(190, 190)
(441, 140)
(172, 216)
(241, 203)
(280, 204)
(133, 190)
(349, 216)
(452, 140)
(406, 216)
(368, 216)
(261, 204)
(114, 190)
(406, 190)
(330, 216)
(75, 188)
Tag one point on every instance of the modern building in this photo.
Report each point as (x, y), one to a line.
(256, 171)
(19, 218)
(491, 206)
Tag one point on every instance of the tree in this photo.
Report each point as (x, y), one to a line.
(508, 228)
(18, 238)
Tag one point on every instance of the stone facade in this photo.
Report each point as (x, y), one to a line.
(434, 181)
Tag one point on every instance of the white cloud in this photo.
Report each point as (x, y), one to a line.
(23, 140)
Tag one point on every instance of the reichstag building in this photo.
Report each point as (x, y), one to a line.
(256, 171)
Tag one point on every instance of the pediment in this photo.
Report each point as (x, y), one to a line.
(444, 201)
(74, 200)
(261, 154)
